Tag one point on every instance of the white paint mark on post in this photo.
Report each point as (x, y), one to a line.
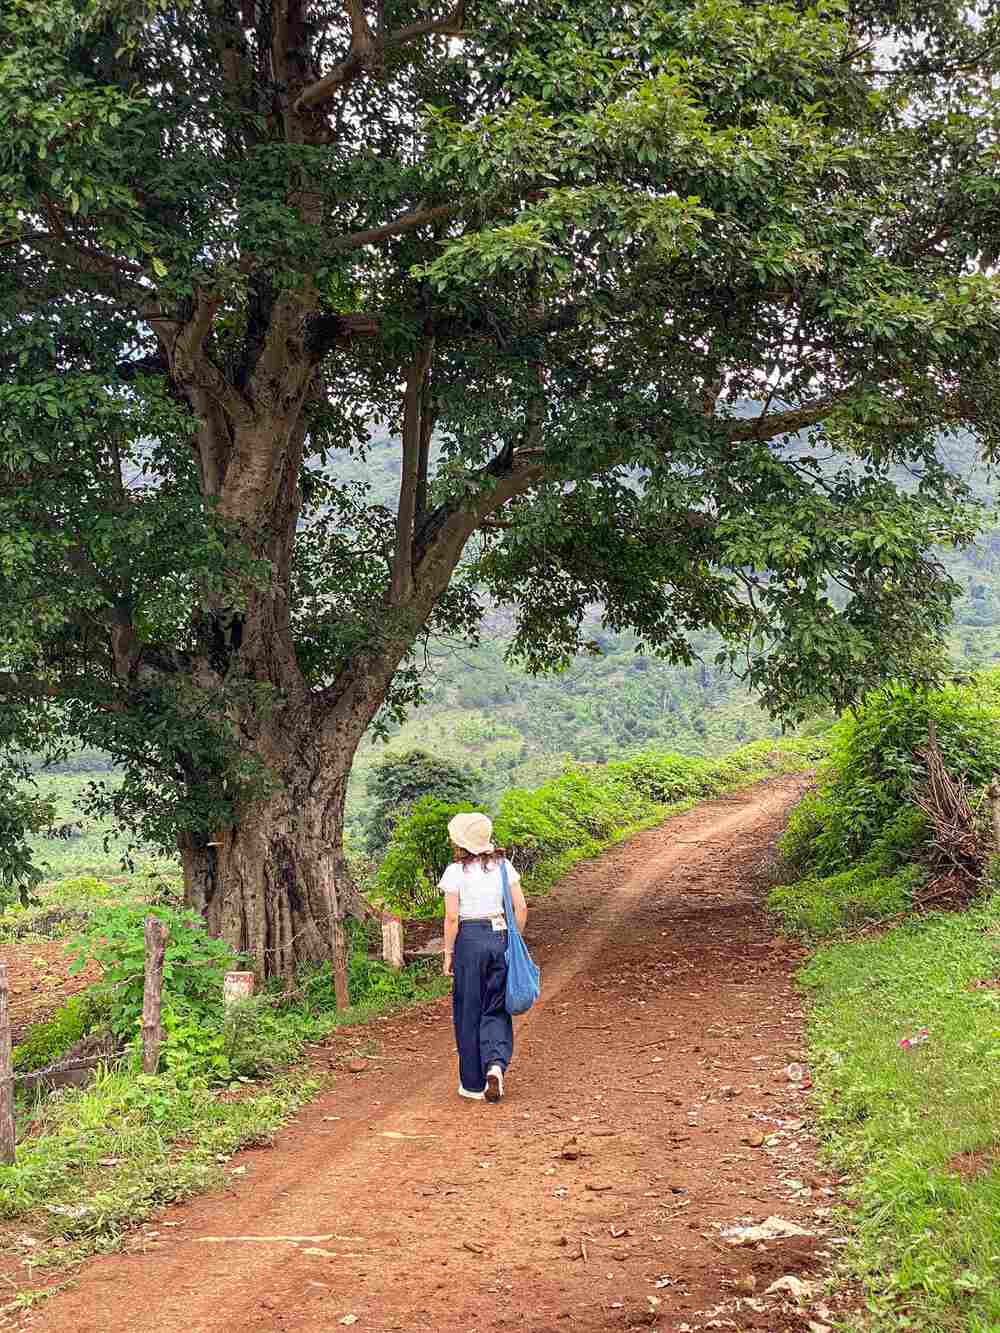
(235, 987)
(392, 940)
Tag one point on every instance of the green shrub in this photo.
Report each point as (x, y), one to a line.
(805, 824)
(872, 767)
(574, 811)
(417, 856)
(815, 908)
(572, 816)
(398, 781)
(663, 777)
(194, 1047)
(48, 1042)
(256, 1040)
(855, 839)
(80, 887)
(193, 970)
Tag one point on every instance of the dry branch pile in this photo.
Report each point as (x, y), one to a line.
(959, 844)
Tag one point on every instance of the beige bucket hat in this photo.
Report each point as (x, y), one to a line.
(472, 832)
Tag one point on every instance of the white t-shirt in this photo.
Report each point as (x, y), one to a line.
(480, 892)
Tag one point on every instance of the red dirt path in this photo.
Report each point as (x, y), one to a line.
(36, 971)
(668, 1017)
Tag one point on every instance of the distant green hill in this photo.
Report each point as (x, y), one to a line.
(516, 729)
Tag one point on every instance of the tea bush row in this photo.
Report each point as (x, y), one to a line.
(574, 816)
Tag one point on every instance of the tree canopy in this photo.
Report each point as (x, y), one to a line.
(610, 257)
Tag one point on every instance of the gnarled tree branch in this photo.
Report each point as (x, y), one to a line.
(366, 48)
(417, 217)
(401, 584)
(772, 424)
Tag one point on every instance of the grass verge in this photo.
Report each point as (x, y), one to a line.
(96, 1161)
(916, 1130)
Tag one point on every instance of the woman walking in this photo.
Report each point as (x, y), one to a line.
(475, 939)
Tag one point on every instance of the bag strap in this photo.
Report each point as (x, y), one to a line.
(508, 903)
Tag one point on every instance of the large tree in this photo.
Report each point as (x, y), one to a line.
(568, 243)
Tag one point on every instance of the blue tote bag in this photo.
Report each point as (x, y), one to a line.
(524, 981)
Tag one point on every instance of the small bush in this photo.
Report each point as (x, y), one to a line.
(370, 982)
(193, 971)
(194, 1048)
(398, 781)
(417, 856)
(872, 768)
(80, 887)
(256, 1040)
(665, 777)
(48, 1042)
(815, 908)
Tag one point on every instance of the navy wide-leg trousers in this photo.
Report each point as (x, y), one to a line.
(484, 1032)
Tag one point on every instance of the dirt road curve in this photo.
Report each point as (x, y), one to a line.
(668, 1018)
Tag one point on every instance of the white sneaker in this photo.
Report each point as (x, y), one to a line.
(494, 1084)
(472, 1096)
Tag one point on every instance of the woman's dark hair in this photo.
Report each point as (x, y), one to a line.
(485, 859)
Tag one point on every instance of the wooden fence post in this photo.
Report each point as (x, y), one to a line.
(341, 991)
(993, 792)
(392, 940)
(338, 939)
(6, 1075)
(152, 1032)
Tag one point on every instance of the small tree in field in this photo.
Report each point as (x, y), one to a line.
(568, 240)
(399, 780)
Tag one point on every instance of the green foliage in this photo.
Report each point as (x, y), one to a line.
(205, 1044)
(46, 1043)
(399, 780)
(857, 839)
(257, 1040)
(22, 813)
(572, 816)
(665, 777)
(815, 907)
(193, 970)
(166, 1142)
(736, 186)
(194, 1049)
(416, 856)
(925, 1237)
(81, 888)
(873, 767)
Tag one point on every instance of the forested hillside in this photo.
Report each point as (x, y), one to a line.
(513, 728)
(491, 713)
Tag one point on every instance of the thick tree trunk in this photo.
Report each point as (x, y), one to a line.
(276, 884)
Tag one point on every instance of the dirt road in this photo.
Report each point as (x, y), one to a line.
(592, 1197)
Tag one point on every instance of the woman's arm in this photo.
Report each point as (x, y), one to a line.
(450, 931)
